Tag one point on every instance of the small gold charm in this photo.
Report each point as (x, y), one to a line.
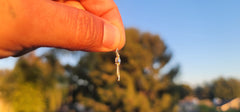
(117, 62)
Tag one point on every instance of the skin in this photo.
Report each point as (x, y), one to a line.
(87, 25)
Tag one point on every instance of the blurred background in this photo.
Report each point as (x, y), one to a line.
(179, 57)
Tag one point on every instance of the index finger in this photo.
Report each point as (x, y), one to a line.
(107, 10)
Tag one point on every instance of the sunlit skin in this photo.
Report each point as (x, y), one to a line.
(88, 25)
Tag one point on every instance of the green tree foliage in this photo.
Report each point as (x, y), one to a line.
(141, 89)
(226, 88)
(205, 92)
(34, 84)
(204, 108)
(233, 110)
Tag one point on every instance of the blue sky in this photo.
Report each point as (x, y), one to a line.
(203, 35)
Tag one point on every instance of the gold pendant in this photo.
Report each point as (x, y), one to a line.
(117, 62)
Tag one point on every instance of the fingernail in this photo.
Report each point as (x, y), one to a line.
(111, 36)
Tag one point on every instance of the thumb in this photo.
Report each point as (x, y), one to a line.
(61, 26)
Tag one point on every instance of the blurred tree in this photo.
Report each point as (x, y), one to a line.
(223, 88)
(226, 88)
(141, 89)
(181, 91)
(34, 84)
(205, 92)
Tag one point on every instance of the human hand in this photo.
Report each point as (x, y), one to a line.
(88, 25)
